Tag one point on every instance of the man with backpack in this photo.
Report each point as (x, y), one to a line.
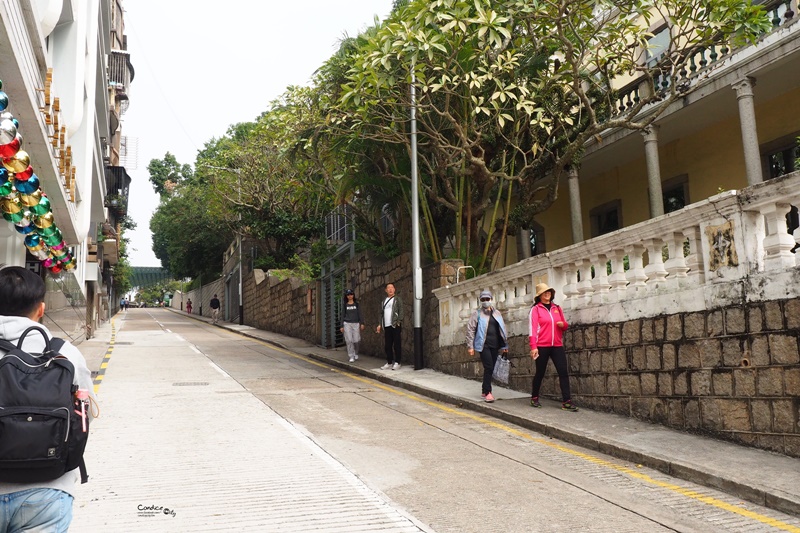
(32, 497)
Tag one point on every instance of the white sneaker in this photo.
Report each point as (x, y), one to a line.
(395, 366)
(355, 357)
(352, 360)
(387, 366)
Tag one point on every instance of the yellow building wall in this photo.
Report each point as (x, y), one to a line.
(713, 159)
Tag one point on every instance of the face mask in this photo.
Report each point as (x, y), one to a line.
(486, 305)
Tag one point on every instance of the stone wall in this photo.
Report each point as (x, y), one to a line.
(288, 307)
(732, 372)
(370, 275)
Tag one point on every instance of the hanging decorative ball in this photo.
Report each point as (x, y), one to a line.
(42, 254)
(48, 262)
(60, 254)
(3, 101)
(6, 189)
(54, 239)
(46, 232)
(27, 186)
(42, 208)
(69, 265)
(43, 221)
(55, 269)
(14, 217)
(8, 150)
(33, 240)
(30, 200)
(58, 247)
(10, 205)
(18, 162)
(24, 175)
(8, 131)
(23, 228)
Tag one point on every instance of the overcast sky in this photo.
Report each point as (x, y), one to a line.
(201, 66)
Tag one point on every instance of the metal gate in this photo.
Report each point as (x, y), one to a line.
(334, 283)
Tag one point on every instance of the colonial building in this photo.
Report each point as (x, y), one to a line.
(55, 71)
(674, 254)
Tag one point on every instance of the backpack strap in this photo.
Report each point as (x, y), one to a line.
(7, 346)
(84, 474)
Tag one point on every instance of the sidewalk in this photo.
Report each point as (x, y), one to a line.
(765, 478)
(200, 453)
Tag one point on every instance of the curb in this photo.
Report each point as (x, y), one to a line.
(750, 492)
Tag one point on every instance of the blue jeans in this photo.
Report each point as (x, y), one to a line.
(35, 510)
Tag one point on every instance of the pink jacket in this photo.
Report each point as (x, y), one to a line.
(544, 331)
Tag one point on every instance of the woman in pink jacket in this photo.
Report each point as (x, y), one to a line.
(547, 329)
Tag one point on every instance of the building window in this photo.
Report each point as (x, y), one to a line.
(676, 193)
(606, 218)
(783, 160)
(657, 46)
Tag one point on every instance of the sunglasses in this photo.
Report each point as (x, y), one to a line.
(486, 299)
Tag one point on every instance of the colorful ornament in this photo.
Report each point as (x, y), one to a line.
(23, 228)
(8, 150)
(10, 205)
(14, 217)
(24, 175)
(42, 221)
(18, 162)
(3, 101)
(8, 131)
(54, 239)
(28, 186)
(42, 208)
(32, 199)
(46, 232)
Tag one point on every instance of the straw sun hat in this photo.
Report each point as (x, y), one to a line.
(544, 287)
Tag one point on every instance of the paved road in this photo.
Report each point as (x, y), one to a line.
(240, 432)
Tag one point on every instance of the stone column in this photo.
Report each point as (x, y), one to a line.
(747, 120)
(575, 205)
(650, 135)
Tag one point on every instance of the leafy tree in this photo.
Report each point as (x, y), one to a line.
(166, 174)
(510, 91)
(188, 237)
(266, 197)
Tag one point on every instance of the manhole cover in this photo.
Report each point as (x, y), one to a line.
(190, 384)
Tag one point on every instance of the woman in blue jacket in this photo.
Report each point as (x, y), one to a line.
(486, 334)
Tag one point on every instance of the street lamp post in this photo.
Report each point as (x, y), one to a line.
(415, 241)
(238, 173)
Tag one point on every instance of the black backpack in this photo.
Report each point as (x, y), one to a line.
(43, 432)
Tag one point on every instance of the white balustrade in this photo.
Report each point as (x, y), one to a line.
(749, 226)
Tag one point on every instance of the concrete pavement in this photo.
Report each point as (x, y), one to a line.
(765, 478)
(201, 453)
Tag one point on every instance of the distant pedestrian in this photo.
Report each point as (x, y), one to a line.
(391, 322)
(214, 304)
(189, 306)
(352, 324)
(486, 335)
(547, 326)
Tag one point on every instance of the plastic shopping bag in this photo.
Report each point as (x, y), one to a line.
(502, 369)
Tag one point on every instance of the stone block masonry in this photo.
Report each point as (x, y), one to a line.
(732, 373)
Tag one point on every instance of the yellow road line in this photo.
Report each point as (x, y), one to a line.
(714, 502)
(104, 365)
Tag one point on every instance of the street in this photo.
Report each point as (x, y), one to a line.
(190, 396)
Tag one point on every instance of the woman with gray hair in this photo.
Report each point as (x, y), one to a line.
(486, 334)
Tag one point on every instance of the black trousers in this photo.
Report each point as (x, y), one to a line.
(391, 338)
(559, 357)
(489, 359)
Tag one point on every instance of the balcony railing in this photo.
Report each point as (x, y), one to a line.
(781, 13)
(730, 248)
